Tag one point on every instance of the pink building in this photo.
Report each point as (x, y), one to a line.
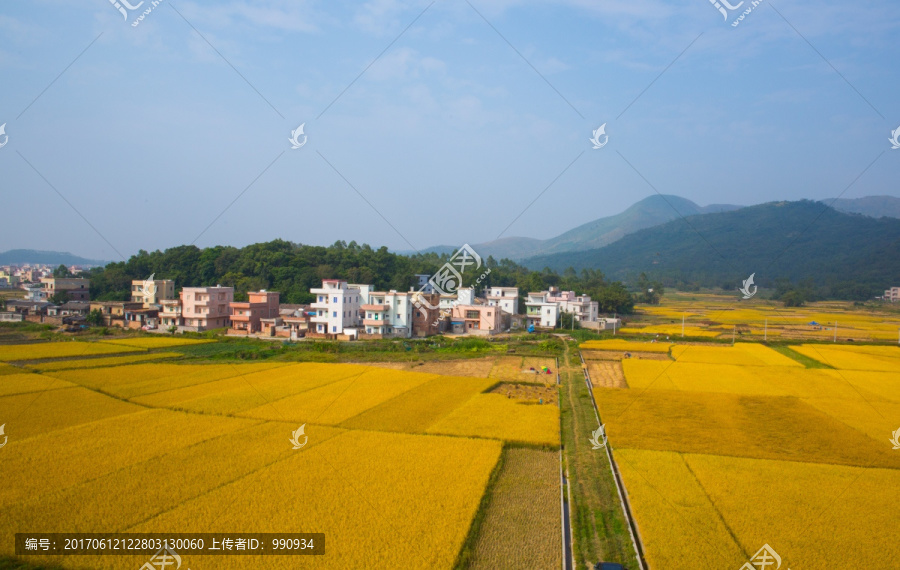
(245, 317)
(206, 307)
(475, 319)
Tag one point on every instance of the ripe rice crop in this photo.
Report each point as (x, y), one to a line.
(679, 525)
(26, 382)
(142, 379)
(339, 401)
(726, 378)
(156, 341)
(41, 350)
(741, 354)
(843, 359)
(813, 515)
(875, 418)
(521, 526)
(124, 497)
(34, 413)
(413, 411)
(495, 416)
(607, 374)
(764, 427)
(9, 369)
(383, 500)
(627, 345)
(671, 330)
(99, 362)
(78, 453)
(247, 391)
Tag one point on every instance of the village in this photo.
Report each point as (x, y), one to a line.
(340, 310)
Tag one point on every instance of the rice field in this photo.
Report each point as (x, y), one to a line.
(150, 342)
(395, 469)
(98, 362)
(727, 448)
(41, 350)
(524, 504)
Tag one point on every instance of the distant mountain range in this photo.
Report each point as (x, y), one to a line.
(649, 212)
(873, 206)
(35, 257)
(795, 240)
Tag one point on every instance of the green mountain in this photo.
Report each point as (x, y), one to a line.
(845, 255)
(35, 257)
(874, 206)
(649, 212)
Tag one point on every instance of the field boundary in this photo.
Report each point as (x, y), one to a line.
(620, 485)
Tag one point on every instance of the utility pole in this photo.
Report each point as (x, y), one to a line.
(682, 325)
(766, 331)
(733, 331)
(835, 331)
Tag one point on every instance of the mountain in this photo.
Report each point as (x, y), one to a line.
(874, 206)
(794, 240)
(35, 257)
(649, 212)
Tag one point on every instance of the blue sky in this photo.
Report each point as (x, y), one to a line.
(471, 113)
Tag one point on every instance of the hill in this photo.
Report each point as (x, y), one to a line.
(845, 255)
(35, 257)
(874, 206)
(649, 212)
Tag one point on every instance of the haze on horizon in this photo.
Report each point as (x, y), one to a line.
(472, 112)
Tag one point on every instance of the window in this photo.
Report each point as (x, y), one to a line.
(333, 328)
(335, 299)
(334, 313)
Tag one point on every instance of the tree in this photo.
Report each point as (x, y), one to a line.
(94, 318)
(59, 298)
(567, 321)
(649, 291)
(61, 271)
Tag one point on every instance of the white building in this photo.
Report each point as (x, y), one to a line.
(507, 298)
(336, 307)
(580, 306)
(388, 314)
(465, 296)
(892, 294)
(423, 284)
(540, 311)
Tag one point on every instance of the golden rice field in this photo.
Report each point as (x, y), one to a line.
(627, 345)
(394, 472)
(717, 315)
(40, 350)
(727, 448)
(97, 362)
(157, 341)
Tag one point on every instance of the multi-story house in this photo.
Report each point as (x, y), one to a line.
(388, 314)
(580, 306)
(205, 308)
(426, 315)
(892, 294)
(475, 319)
(336, 307)
(507, 298)
(35, 292)
(540, 311)
(113, 312)
(247, 317)
(150, 293)
(170, 313)
(76, 289)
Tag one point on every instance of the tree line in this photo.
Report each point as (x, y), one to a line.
(292, 269)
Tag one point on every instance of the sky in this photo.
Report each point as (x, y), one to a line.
(426, 122)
